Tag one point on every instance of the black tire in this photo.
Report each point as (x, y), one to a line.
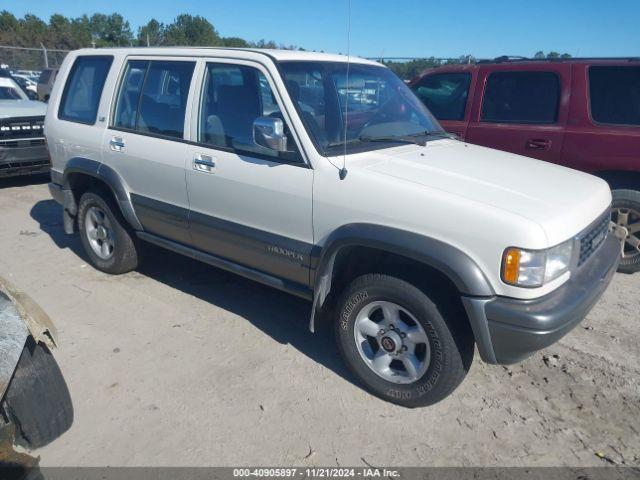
(444, 323)
(37, 400)
(126, 252)
(628, 200)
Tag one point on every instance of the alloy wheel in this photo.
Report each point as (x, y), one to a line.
(99, 233)
(391, 342)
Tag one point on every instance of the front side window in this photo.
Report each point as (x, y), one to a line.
(366, 107)
(233, 97)
(444, 94)
(521, 97)
(615, 94)
(83, 89)
(153, 97)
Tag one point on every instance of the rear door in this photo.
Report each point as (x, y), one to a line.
(448, 95)
(522, 108)
(145, 141)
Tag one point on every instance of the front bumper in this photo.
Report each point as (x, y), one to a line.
(24, 157)
(508, 330)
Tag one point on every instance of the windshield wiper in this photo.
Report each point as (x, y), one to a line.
(415, 139)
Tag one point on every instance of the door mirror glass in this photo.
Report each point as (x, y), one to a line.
(268, 132)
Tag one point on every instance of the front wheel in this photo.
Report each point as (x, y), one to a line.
(626, 214)
(401, 345)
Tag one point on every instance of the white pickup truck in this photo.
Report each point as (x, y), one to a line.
(326, 177)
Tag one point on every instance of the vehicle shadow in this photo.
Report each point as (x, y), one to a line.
(283, 317)
(24, 180)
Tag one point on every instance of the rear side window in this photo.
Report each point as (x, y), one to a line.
(615, 95)
(521, 97)
(83, 89)
(153, 97)
(444, 94)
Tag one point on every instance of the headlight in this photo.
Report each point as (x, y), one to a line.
(534, 268)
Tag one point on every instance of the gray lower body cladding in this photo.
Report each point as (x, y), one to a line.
(23, 158)
(509, 330)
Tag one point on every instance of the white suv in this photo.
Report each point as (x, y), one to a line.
(330, 180)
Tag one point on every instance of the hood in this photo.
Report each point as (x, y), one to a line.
(561, 200)
(22, 108)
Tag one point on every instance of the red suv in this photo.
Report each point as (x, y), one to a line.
(581, 113)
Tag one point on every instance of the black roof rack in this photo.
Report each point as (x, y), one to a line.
(514, 58)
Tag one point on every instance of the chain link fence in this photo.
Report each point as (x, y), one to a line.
(30, 59)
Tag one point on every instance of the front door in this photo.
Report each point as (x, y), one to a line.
(249, 204)
(522, 110)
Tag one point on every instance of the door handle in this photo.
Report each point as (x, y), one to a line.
(538, 144)
(116, 144)
(204, 163)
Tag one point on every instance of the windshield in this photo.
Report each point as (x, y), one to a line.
(375, 107)
(9, 90)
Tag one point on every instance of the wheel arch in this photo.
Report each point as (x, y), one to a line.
(453, 264)
(620, 179)
(82, 173)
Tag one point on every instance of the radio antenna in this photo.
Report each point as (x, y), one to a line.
(343, 170)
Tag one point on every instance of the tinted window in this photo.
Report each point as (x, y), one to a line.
(129, 96)
(163, 100)
(615, 95)
(153, 97)
(83, 90)
(521, 97)
(44, 76)
(233, 97)
(445, 94)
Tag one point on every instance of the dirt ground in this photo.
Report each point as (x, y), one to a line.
(183, 364)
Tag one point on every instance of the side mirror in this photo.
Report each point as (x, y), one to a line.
(268, 132)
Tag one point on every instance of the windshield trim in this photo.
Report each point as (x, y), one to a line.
(355, 146)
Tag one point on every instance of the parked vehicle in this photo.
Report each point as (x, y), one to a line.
(22, 144)
(45, 83)
(27, 84)
(330, 181)
(581, 113)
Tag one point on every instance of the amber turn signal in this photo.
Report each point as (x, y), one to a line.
(511, 266)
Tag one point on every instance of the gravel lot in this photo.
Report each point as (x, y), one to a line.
(184, 364)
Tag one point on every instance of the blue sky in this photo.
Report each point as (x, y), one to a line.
(396, 28)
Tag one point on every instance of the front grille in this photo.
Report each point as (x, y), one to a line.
(21, 128)
(29, 164)
(593, 237)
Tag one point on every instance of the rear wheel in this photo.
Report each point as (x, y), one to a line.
(626, 214)
(401, 345)
(109, 242)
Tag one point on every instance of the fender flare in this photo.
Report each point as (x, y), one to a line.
(105, 174)
(456, 265)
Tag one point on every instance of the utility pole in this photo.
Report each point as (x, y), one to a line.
(46, 57)
(148, 40)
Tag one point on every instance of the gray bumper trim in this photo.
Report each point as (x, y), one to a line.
(508, 330)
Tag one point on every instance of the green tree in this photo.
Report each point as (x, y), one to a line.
(191, 30)
(110, 30)
(151, 34)
(539, 54)
(235, 42)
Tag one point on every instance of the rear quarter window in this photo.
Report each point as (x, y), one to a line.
(614, 94)
(521, 97)
(82, 92)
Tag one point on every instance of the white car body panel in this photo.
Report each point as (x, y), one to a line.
(479, 200)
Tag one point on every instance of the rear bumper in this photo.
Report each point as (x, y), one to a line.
(509, 330)
(23, 159)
